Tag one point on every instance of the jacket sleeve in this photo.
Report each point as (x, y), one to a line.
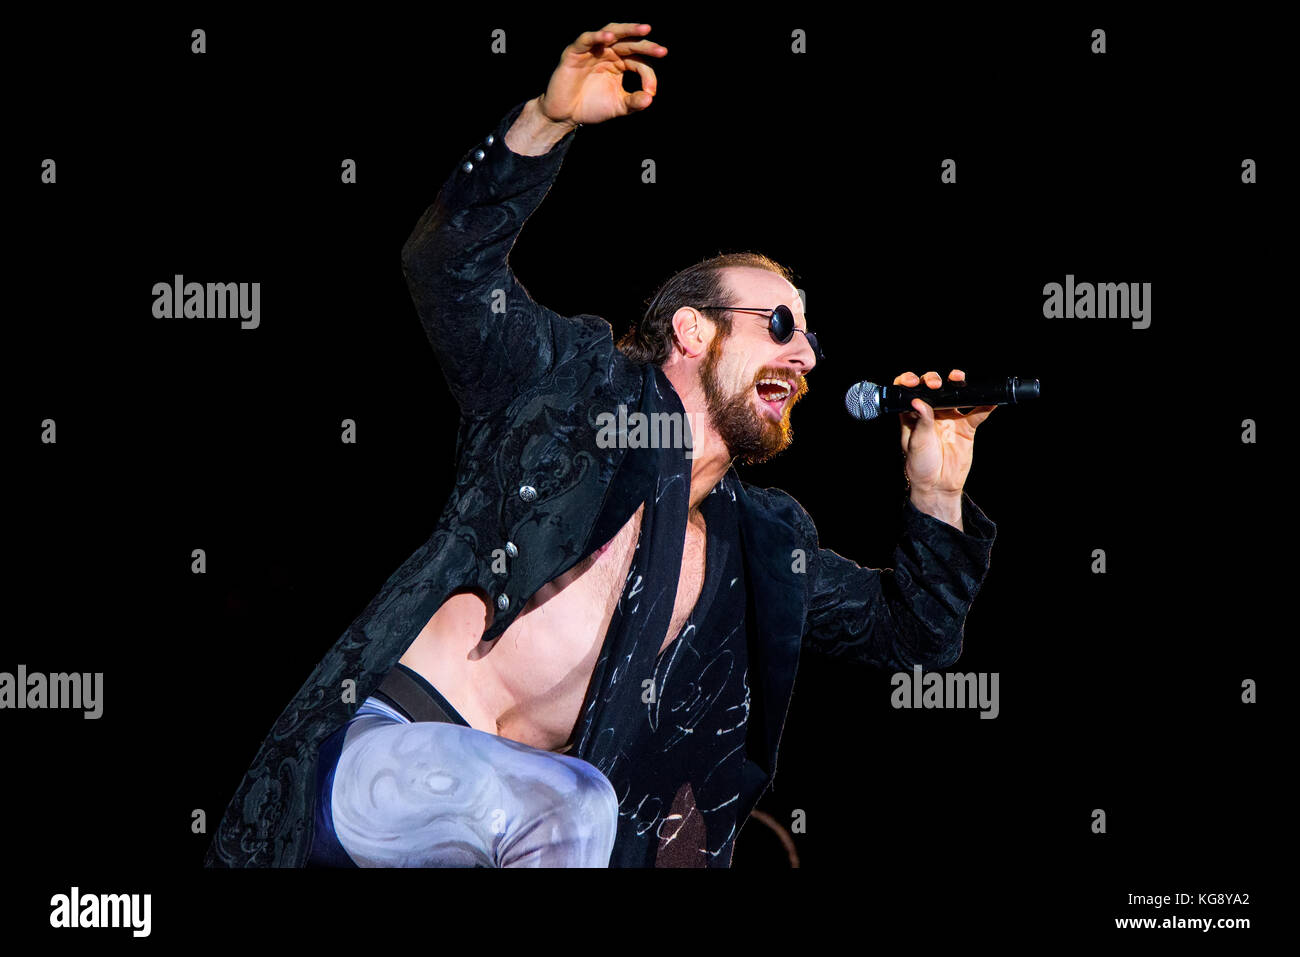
(910, 614)
(490, 337)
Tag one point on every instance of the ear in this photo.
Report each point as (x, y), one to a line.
(690, 334)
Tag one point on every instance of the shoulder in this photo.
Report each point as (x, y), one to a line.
(584, 332)
(587, 359)
(774, 504)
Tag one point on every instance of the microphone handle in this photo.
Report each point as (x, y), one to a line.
(958, 395)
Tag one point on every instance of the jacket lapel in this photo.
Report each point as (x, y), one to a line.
(777, 601)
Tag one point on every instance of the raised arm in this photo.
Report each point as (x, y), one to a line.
(489, 335)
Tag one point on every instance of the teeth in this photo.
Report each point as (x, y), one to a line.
(782, 383)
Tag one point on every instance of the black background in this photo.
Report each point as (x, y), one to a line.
(1119, 691)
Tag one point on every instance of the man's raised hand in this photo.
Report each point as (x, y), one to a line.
(587, 86)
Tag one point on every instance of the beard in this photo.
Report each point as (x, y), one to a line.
(750, 436)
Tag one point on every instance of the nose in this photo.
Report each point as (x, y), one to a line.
(803, 354)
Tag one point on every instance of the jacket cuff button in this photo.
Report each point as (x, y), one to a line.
(479, 154)
(468, 166)
(490, 139)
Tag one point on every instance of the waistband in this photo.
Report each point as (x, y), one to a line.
(407, 692)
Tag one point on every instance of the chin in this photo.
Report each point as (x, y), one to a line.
(761, 437)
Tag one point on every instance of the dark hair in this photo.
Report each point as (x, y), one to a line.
(651, 339)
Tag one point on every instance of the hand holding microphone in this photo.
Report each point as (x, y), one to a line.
(938, 440)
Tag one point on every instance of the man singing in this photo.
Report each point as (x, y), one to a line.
(590, 660)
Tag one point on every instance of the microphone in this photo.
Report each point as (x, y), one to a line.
(866, 400)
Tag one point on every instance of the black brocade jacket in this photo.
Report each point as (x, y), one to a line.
(530, 385)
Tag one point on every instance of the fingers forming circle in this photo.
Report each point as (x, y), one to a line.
(649, 82)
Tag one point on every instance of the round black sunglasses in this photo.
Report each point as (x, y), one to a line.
(780, 323)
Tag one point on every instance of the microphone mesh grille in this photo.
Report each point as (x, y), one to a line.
(863, 400)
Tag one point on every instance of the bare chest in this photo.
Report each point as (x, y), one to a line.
(691, 580)
(587, 595)
(529, 685)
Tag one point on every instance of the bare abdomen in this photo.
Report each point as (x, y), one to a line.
(529, 684)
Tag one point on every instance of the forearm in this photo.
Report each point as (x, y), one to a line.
(913, 612)
(533, 133)
(456, 263)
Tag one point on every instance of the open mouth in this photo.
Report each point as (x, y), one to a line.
(774, 392)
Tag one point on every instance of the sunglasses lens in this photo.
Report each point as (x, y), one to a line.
(816, 346)
(782, 324)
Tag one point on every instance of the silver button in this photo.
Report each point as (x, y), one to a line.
(468, 166)
(527, 493)
(490, 139)
(511, 550)
(479, 154)
(503, 602)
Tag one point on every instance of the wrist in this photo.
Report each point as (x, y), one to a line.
(945, 506)
(565, 124)
(534, 133)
